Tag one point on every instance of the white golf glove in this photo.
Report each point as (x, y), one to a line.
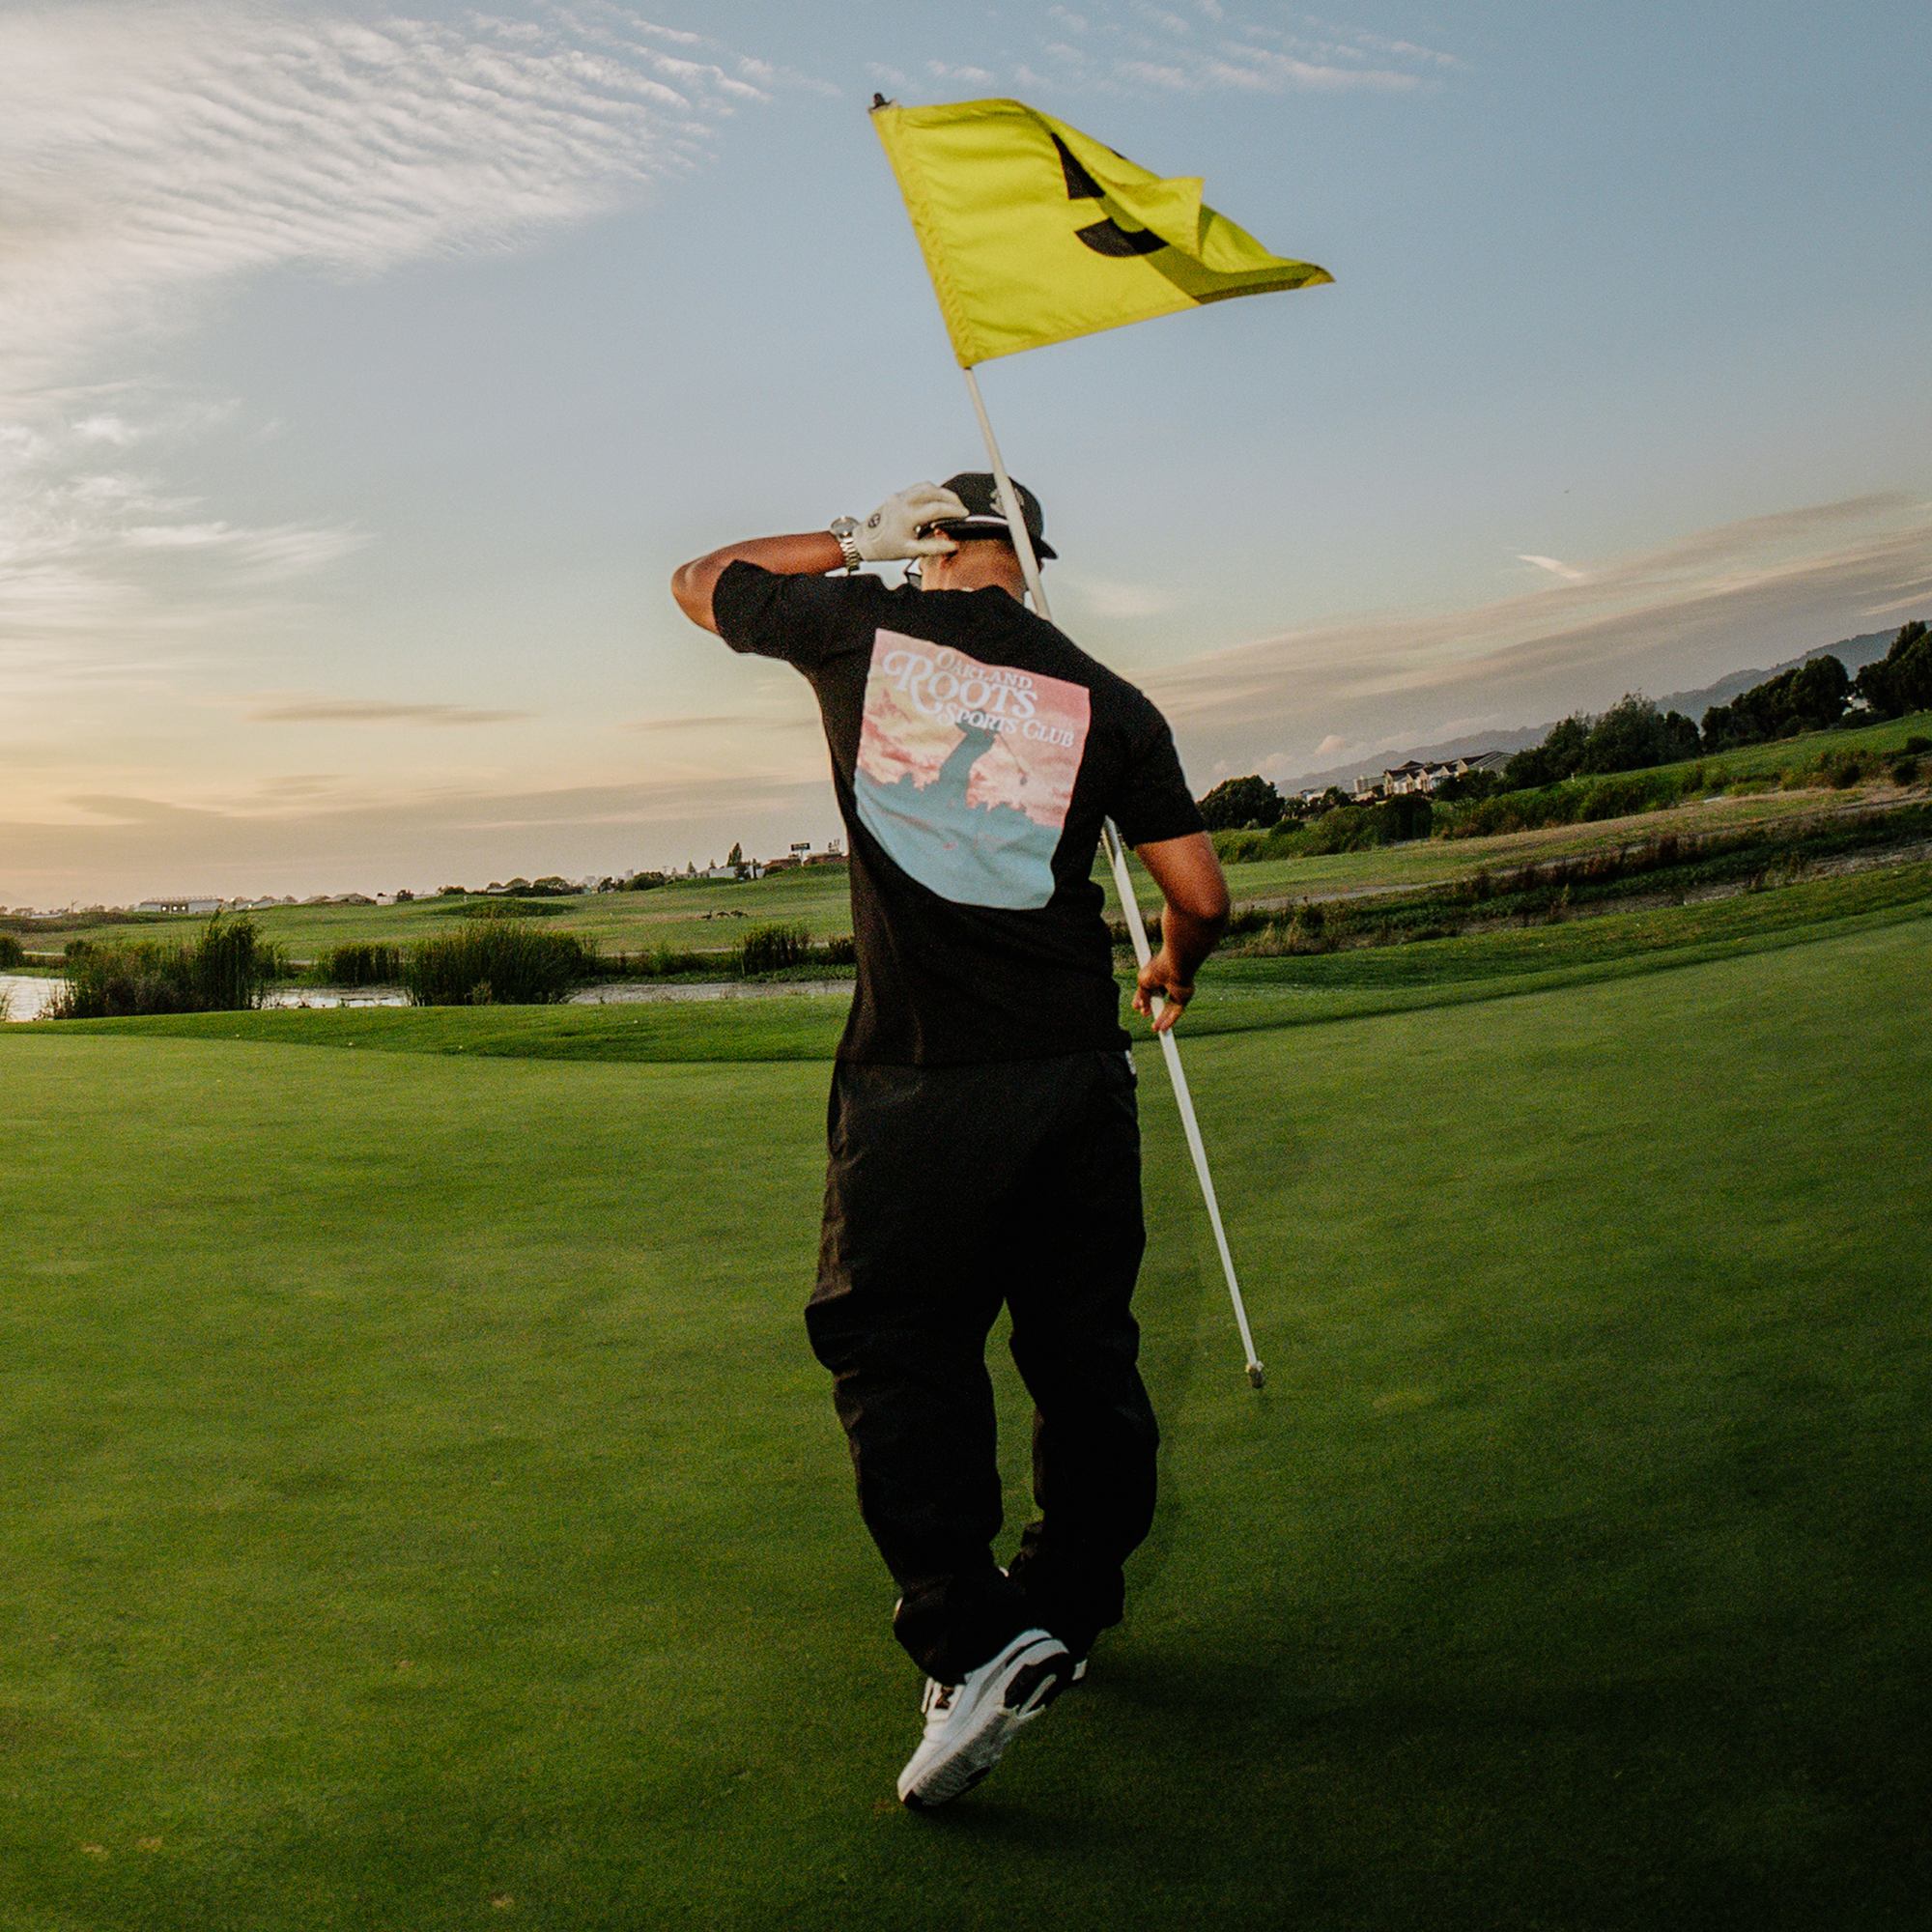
(892, 530)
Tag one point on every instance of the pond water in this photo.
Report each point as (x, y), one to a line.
(25, 997)
(634, 993)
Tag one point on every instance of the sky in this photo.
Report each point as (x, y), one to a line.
(365, 373)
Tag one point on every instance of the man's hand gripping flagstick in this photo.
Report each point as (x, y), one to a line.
(1033, 233)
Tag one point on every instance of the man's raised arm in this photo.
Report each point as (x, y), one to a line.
(899, 528)
(1189, 873)
(809, 553)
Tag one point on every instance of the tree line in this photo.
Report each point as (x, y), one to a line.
(1634, 735)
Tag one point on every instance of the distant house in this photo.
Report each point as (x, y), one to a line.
(789, 863)
(1420, 775)
(194, 907)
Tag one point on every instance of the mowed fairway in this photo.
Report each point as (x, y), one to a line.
(422, 1511)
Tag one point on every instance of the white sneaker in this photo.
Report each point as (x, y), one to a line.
(1079, 1662)
(969, 1724)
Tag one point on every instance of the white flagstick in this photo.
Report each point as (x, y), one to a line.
(1129, 905)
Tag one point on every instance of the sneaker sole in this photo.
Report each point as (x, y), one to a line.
(1032, 1689)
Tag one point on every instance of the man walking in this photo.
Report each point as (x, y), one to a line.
(985, 1147)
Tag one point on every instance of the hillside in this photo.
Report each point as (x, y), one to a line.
(1854, 653)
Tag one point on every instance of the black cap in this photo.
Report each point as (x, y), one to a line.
(979, 492)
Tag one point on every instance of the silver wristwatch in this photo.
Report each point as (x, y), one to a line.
(846, 531)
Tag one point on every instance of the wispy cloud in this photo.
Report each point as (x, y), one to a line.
(1144, 49)
(797, 716)
(154, 154)
(1662, 618)
(1556, 567)
(148, 150)
(1104, 597)
(99, 558)
(296, 710)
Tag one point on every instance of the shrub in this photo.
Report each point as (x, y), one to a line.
(1238, 848)
(1349, 828)
(1842, 770)
(501, 963)
(770, 948)
(1407, 815)
(1309, 929)
(11, 953)
(1618, 797)
(360, 964)
(507, 909)
(1904, 772)
(1915, 747)
(1236, 803)
(842, 950)
(1519, 812)
(225, 970)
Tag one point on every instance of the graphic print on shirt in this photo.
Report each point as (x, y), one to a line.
(965, 770)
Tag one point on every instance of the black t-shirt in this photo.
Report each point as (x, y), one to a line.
(975, 751)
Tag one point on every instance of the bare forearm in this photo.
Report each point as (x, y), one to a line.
(1194, 918)
(809, 554)
(1189, 940)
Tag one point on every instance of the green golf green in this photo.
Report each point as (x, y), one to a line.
(423, 1511)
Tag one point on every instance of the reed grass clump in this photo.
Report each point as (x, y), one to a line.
(770, 948)
(358, 964)
(665, 961)
(498, 962)
(225, 970)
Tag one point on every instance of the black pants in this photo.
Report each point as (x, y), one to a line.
(950, 1191)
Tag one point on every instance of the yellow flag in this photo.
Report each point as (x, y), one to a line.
(1032, 232)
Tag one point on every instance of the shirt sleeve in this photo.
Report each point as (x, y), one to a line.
(1151, 801)
(800, 620)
